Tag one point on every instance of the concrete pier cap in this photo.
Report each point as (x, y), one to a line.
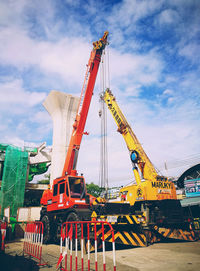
(62, 108)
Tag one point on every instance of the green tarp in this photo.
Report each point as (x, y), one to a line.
(14, 178)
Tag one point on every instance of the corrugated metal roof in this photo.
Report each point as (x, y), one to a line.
(190, 201)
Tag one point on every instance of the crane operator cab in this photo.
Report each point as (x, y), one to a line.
(76, 186)
(68, 192)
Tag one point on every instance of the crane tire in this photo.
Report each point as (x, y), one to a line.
(46, 229)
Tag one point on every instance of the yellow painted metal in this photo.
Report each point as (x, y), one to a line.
(149, 190)
(176, 234)
(97, 45)
(133, 144)
(151, 186)
(130, 238)
(122, 219)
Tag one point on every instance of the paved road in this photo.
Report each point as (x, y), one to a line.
(179, 256)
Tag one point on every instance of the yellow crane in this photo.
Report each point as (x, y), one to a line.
(149, 185)
(152, 210)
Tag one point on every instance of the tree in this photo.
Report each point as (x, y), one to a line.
(94, 189)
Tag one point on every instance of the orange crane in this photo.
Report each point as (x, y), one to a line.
(79, 124)
(68, 199)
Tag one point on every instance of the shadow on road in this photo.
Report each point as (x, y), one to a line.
(16, 263)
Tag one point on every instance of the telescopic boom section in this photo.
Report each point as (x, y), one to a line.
(138, 155)
(84, 104)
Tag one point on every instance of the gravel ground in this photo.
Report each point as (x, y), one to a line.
(177, 256)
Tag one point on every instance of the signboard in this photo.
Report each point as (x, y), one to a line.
(192, 188)
(7, 214)
(28, 214)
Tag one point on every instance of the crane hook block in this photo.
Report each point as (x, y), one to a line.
(134, 156)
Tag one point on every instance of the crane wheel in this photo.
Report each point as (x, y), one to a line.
(46, 232)
(74, 217)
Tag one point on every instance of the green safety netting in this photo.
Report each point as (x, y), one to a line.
(14, 178)
(3, 147)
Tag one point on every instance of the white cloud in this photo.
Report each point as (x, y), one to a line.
(13, 94)
(140, 69)
(133, 91)
(168, 16)
(66, 57)
(13, 140)
(21, 52)
(20, 114)
(7, 16)
(41, 117)
(128, 12)
(73, 2)
(168, 92)
(191, 51)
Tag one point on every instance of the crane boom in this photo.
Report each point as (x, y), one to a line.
(138, 155)
(84, 104)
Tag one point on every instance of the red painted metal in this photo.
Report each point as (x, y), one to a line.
(82, 242)
(3, 235)
(33, 241)
(84, 104)
(88, 229)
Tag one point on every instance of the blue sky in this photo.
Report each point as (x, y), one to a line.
(154, 74)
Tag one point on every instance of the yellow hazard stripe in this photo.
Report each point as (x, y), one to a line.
(124, 237)
(182, 234)
(176, 234)
(141, 242)
(164, 232)
(129, 219)
(133, 242)
(168, 232)
(107, 234)
(188, 235)
(99, 231)
(130, 238)
(118, 234)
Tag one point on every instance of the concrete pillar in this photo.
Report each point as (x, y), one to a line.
(62, 107)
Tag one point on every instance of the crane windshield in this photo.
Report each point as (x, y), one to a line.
(76, 186)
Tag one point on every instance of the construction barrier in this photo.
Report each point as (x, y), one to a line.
(80, 236)
(33, 240)
(3, 235)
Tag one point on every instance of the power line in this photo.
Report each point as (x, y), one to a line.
(189, 160)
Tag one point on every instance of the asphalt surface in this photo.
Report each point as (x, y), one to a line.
(176, 256)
